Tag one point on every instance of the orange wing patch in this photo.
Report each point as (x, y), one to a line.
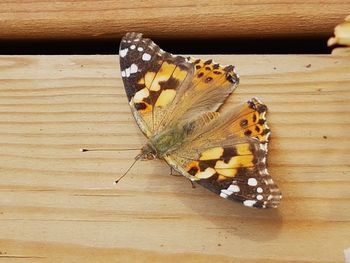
(209, 73)
(159, 87)
(251, 121)
(222, 162)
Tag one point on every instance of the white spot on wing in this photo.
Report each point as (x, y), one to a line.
(226, 192)
(223, 195)
(252, 182)
(130, 70)
(259, 190)
(259, 197)
(146, 57)
(140, 49)
(263, 147)
(249, 203)
(123, 52)
(233, 188)
(127, 72)
(229, 191)
(132, 47)
(133, 68)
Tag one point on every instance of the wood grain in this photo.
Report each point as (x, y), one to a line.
(92, 19)
(59, 204)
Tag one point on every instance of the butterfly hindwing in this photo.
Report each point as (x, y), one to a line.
(241, 174)
(253, 186)
(235, 167)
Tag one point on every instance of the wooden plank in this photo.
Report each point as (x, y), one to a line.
(59, 203)
(46, 19)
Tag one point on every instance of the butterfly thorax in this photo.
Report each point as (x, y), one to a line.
(166, 142)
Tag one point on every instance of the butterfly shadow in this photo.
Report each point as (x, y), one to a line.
(229, 217)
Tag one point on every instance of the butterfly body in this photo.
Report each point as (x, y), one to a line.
(168, 140)
(162, 145)
(177, 103)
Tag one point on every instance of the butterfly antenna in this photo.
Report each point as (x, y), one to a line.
(107, 149)
(138, 157)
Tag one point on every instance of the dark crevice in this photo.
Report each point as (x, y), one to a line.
(176, 46)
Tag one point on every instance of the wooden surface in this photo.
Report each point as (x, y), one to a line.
(92, 19)
(59, 203)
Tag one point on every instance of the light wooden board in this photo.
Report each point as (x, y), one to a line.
(57, 203)
(92, 19)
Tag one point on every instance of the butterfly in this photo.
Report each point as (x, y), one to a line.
(178, 104)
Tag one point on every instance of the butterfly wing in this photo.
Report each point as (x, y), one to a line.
(210, 86)
(225, 152)
(164, 89)
(151, 78)
(229, 158)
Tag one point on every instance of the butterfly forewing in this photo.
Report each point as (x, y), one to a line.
(209, 87)
(151, 78)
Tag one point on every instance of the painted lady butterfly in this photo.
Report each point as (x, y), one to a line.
(176, 102)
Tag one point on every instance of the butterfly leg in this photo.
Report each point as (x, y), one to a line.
(192, 184)
(173, 172)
